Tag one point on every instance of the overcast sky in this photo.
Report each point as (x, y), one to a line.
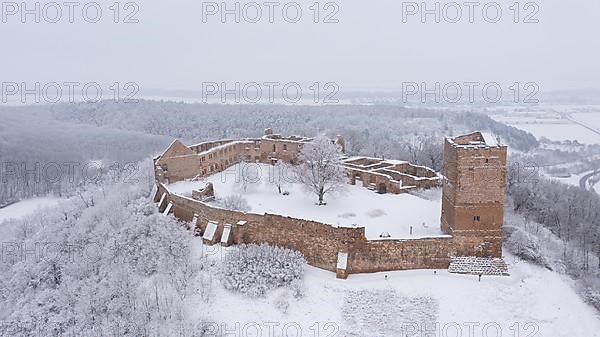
(369, 48)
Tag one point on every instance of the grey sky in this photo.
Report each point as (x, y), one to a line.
(369, 48)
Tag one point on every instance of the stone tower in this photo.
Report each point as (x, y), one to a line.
(473, 191)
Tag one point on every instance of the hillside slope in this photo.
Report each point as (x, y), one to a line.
(532, 300)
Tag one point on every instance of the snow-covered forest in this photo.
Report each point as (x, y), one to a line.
(557, 226)
(102, 263)
(40, 154)
(80, 138)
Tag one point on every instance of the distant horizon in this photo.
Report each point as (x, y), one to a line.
(360, 46)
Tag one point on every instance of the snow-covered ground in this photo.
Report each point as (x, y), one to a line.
(560, 132)
(554, 126)
(532, 300)
(591, 119)
(26, 207)
(358, 206)
(573, 180)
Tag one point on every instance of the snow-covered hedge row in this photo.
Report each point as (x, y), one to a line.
(254, 269)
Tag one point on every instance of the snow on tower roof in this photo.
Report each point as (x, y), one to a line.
(490, 139)
(476, 139)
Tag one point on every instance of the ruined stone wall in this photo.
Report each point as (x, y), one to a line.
(320, 243)
(414, 170)
(202, 147)
(280, 149)
(399, 182)
(473, 187)
(179, 168)
(387, 255)
(180, 162)
(216, 157)
(207, 193)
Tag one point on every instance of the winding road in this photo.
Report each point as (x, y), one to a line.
(583, 181)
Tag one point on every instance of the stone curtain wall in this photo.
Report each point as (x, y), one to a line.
(408, 182)
(282, 149)
(320, 243)
(176, 165)
(180, 162)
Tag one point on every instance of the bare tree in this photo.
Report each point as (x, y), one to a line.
(320, 169)
(281, 175)
(414, 146)
(248, 177)
(433, 153)
(236, 202)
(356, 141)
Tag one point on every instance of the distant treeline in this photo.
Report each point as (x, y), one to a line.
(41, 155)
(198, 122)
(40, 138)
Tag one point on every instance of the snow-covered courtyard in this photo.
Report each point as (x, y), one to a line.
(357, 206)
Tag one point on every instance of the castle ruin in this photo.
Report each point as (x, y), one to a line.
(472, 179)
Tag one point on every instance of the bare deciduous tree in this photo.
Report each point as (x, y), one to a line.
(248, 176)
(414, 147)
(236, 202)
(320, 169)
(280, 175)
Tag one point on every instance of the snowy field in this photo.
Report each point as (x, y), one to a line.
(358, 206)
(552, 125)
(533, 300)
(560, 132)
(591, 119)
(574, 180)
(26, 207)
